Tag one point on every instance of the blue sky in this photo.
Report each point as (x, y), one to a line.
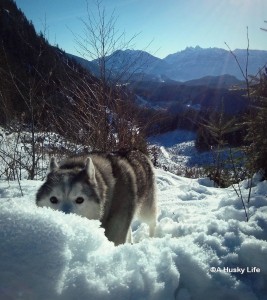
(170, 25)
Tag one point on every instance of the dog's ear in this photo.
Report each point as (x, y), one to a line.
(90, 170)
(53, 164)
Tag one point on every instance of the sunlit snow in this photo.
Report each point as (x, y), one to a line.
(202, 244)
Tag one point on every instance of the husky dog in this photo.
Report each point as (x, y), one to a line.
(110, 187)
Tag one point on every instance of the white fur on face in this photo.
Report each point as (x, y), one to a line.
(67, 194)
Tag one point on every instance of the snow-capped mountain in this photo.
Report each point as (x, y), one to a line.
(189, 64)
(197, 62)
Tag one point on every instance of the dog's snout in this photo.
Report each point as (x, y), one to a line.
(67, 208)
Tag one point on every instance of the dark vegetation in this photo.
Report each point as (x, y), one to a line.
(43, 89)
(190, 107)
(256, 124)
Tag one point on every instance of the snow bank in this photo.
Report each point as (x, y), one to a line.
(203, 249)
(46, 254)
(177, 153)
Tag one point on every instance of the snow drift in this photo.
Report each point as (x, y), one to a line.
(202, 244)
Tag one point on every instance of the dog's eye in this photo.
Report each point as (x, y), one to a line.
(54, 200)
(79, 200)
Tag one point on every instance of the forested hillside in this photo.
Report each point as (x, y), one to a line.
(43, 89)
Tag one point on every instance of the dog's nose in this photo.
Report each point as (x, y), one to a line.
(67, 208)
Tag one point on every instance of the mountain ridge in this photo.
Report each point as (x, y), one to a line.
(203, 62)
(189, 64)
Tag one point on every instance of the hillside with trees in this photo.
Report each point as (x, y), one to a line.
(42, 90)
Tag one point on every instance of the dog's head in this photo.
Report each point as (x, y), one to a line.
(71, 188)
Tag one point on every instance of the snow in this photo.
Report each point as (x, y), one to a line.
(177, 151)
(203, 248)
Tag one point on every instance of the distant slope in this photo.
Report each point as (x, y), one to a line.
(175, 97)
(88, 65)
(125, 64)
(224, 81)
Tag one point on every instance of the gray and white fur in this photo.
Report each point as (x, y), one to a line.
(110, 187)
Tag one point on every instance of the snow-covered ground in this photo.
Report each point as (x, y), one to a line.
(177, 151)
(203, 248)
(178, 154)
